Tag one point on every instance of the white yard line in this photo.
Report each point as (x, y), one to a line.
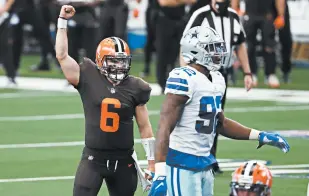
(42, 145)
(42, 117)
(57, 178)
(61, 144)
(288, 166)
(61, 85)
(37, 179)
(33, 94)
(155, 112)
(50, 144)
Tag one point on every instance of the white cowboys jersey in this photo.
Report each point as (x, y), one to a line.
(193, 136)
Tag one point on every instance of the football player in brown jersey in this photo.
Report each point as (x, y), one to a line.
(111, 98)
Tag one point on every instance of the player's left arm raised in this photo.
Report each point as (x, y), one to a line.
(235, 130)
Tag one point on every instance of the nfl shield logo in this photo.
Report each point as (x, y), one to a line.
(113, 90)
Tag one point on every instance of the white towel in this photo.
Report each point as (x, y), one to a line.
(141, 175)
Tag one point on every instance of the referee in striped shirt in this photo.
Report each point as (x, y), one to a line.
(226, 22)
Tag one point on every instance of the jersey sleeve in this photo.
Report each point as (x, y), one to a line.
(180, 82)
(197, 17)
(239, 31)
(143, 93)
(81, 82)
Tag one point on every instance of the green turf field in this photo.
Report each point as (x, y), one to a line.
(299, 76)
(17, 126)
(20, 108)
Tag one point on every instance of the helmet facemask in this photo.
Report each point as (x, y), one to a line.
(116, 68)
(240, 189)
(215, 55)
(204, 46)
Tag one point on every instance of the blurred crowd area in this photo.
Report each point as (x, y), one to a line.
(29, 27)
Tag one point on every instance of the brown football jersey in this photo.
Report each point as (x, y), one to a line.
(109, 110)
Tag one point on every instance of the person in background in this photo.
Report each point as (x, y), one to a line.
(151, 16)
(46, 9)
(285, 37)
(6, 42)
(259, 14)
(170, 23)
(25, 12)
(83, 29)
(113, 19)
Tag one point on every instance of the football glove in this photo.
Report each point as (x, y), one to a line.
(159, 186)
(273, 139)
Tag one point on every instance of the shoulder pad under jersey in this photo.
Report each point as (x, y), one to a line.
(180, 81)
(143, 90)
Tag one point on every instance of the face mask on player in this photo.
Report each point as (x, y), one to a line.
(202, 45)
(251, 179)
(216, 53)
(116, 68)
(249, 190)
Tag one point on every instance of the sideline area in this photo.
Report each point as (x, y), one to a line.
(61, 85)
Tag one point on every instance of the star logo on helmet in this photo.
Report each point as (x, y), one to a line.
(194, 34)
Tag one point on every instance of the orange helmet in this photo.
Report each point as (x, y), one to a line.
(113, 58)
(251, 179)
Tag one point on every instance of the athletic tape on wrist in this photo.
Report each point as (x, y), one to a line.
(149, 146)
(160, 169)
(254, 134)
(62, 23)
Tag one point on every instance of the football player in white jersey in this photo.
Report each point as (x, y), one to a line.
(188, 119)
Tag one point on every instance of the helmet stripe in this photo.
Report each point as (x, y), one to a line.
(249, 167)
(252, 168)
(243, 169)
(117, 44)
(122, 45)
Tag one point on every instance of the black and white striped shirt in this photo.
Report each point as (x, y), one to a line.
(230, 27)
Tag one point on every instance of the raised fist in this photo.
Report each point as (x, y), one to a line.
(67, 11)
